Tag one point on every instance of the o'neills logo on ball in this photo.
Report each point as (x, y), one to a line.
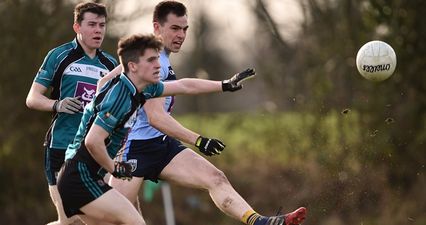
(378, 68)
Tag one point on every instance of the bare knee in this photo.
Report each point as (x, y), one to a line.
(218, 178)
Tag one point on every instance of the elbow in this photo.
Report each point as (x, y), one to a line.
(30, 103)
(156, 118)
(90, 143)
(153, 120)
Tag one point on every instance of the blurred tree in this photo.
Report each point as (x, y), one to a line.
(318, 71)
(205, 61)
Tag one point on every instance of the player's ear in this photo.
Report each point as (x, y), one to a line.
(157, 26)
(132, 66)
(76, 28)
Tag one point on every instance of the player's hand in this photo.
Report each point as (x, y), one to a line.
(234, 84)
(68, 105)
(209, 146)
(122, 170)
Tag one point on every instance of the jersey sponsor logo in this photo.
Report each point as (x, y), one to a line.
(171, 75)
(91, 71)
(75, 69)
(102, 73)
(85, 91)
(133, 163)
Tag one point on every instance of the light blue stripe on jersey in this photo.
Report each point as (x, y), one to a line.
(142, 130)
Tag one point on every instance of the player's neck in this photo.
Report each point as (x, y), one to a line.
(91, 52)
(167, 51)
(139, 83)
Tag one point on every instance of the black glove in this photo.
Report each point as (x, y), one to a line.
(209, 146)
(122, 170)
(234, 84)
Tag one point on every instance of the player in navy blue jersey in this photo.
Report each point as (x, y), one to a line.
(71, 71)
(154, 148)
(104, 126)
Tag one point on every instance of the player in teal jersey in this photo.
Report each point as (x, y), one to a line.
(155, 153)
(71, 71)
(104, 126)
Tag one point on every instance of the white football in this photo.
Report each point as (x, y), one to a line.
(376, 60)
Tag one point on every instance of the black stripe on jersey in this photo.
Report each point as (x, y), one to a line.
(105, 61)
(116, 106)
(137, 100)
(72, 56)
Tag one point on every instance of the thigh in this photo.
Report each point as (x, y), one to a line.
(79, 185)
(53, 160)
(130, 189)
(190, 169)
(149, 157)
(112, 207)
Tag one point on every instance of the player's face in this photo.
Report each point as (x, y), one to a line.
(148, 67)
(91, 31)
(173, 32)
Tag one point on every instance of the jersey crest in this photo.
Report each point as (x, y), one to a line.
(86, 92)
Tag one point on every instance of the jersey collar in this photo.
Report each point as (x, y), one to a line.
(129, 84)
(163, 53)
(79, 49)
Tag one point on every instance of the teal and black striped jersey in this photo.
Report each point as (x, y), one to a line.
(71, 73)
(114, 109)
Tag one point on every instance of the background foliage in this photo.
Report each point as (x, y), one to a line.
(307, 131)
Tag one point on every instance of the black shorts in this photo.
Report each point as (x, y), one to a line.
(149, 157)
(80, 184)
(53, 160)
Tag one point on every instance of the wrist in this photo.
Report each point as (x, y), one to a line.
(54, 106)
(225, 85)
(198, 141)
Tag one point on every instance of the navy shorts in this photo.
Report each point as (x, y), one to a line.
(79, 184)
(53, 160)
(149, 157)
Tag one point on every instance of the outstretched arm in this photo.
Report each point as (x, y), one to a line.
(193, 86)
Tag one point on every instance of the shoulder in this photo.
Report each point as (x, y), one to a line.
(61, 51)
(153, 90)
(109, 57)
(118, 94)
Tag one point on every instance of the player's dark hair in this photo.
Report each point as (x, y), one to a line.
(164, 8)
(82, 8)
(130, 48)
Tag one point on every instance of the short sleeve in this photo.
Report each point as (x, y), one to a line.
(106, 120)
(111, 110)
(153, 90)
(46, 72)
